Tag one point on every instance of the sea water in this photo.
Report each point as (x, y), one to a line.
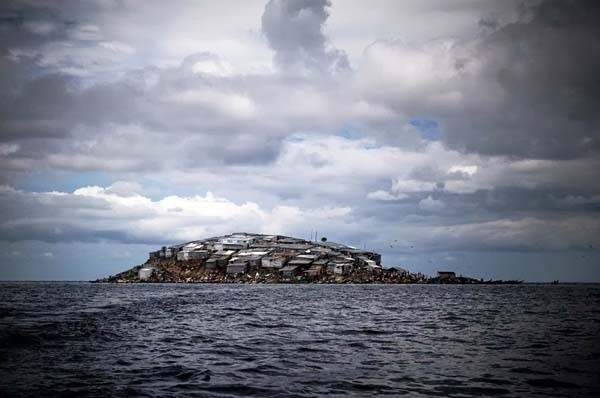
(82, 339)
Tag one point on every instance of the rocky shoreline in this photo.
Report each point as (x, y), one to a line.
(194, 272)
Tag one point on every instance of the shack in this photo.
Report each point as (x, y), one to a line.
(215, 262)
(154, 255)
(342, 268)
(446, 275)
(370, 265)
(237, 267)
(300, 262)
(236, 242)
(290, 271)
(274, 261)
(315, 270)
(293, 248)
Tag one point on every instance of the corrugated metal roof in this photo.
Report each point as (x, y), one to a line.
(300, 261)
(295, 246)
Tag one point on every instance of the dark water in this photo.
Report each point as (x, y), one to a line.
(80, 340)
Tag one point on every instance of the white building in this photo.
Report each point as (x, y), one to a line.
(193, 255)
(236, 241)
(190, 247)
(274, 261)
(372, 265)
(253, 253)
(342, 269)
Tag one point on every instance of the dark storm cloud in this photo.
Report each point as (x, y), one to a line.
(549, 96)
(49, 218)
(41, 108)
(294, 30)
(42, 44)
(527, 89)
(63, 109)
(22, 24)
(177, 108)
(489, 204)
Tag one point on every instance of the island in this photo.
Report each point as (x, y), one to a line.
(244, 257)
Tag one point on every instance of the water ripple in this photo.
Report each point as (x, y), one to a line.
(94, 340)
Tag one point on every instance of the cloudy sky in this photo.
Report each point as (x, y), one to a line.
(459, 135)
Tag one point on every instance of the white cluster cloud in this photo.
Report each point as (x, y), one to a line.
(432, 205)
(120, 213)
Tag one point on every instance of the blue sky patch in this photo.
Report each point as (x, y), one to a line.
(63, 181)
(429, 128)
(295, 138)
(349, 132)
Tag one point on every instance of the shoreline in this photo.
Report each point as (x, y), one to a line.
(189, 272)
(251, 283)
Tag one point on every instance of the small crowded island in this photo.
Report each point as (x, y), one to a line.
(257, 258)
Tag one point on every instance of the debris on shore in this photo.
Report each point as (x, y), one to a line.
(258, 258)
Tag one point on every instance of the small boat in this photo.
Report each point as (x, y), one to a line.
(554, 282)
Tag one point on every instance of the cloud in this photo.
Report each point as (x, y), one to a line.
(213, 67)
(204, 102)
(118, 47)
(97, 214)
(432, 205)
(294, 30)
(484, 128)
(7, 149)
(515, 234)
(385, 195)
(509, 92)
(40, 27)
(125, 188)
(117, 213)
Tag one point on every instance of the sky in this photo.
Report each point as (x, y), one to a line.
(459, 135)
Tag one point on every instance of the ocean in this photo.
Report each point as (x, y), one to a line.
(179, 340)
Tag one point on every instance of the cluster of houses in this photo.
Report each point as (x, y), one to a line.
(240, 253)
